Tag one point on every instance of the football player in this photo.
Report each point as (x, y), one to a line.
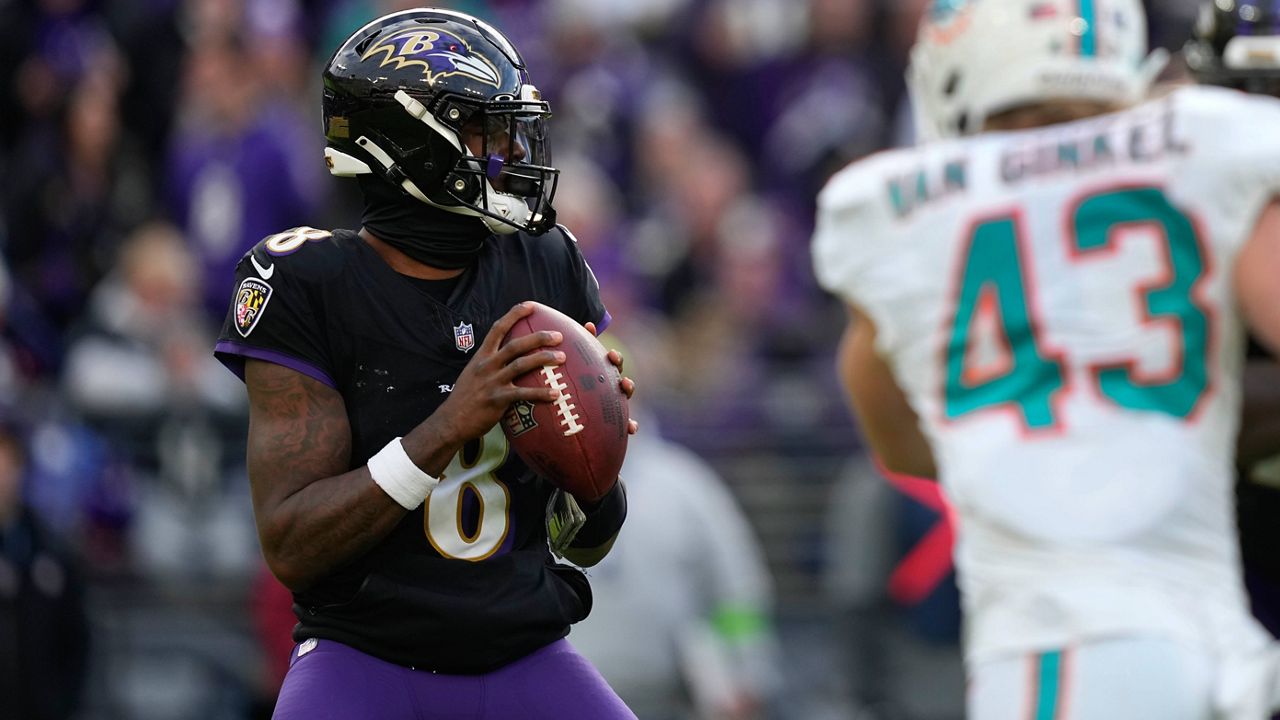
(1046, 307)
(415, 543)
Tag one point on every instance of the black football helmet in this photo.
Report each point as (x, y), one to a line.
(1237, 44)
(439, 104)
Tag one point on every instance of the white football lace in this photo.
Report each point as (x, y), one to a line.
(564, 408)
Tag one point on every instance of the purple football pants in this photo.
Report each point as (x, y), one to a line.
(333, 681)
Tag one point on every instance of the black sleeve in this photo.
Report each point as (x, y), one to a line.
(273, 316)
(604, 518)
(580, 294)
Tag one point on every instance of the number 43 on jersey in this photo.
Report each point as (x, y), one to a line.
(994, 284)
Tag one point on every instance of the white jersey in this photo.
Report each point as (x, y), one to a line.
(1058, 306)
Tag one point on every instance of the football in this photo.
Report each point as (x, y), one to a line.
(577, 442)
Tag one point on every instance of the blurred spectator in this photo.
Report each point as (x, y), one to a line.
(710, 257)
(738, 50)
(590, 202)
(600, 71)
(80, 485)
(150, 39)
(80, 190)
(681, 625)
(619, 18)
(140, 371)
(278, 52)
(74, 478)
(66, 42)
(891, 585)
(77, 187)
(670, 122)
(43, 630)
(211, 21)
(30, 346)
(232, 180)
(697, 178)
(827, 109)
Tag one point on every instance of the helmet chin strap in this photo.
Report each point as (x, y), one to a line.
(510, 212)
(505, 213)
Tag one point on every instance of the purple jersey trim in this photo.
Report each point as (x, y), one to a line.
(233, 354)
(604, 323)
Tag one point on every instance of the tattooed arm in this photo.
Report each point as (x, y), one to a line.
(313, 513)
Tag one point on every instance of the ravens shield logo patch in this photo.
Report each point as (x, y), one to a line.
(251, 300)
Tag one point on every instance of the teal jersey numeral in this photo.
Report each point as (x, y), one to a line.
(994, 276)
(994, 268)
(1095, 220)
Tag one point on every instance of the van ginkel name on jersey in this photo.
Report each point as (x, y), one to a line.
(1144, 139)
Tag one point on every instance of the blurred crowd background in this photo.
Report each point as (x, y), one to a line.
(145, 145)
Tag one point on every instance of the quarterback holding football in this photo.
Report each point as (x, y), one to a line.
(417, 545)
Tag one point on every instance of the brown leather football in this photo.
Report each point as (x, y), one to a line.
(577, 442)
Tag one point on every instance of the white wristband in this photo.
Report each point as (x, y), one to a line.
(400, 477)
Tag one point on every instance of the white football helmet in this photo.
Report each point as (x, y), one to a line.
(976, 58)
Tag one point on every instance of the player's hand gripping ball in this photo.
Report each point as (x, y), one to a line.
(578, 441)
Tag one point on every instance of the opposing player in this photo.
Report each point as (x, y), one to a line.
(416, 545)
(1046, 307)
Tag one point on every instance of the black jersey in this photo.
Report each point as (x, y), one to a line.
(465, 583)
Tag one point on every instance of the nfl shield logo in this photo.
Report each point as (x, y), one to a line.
(519, 418)
(464, 337)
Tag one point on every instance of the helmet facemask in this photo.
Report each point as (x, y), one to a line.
(505, 171)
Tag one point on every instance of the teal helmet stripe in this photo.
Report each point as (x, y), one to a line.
(1089, 36)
